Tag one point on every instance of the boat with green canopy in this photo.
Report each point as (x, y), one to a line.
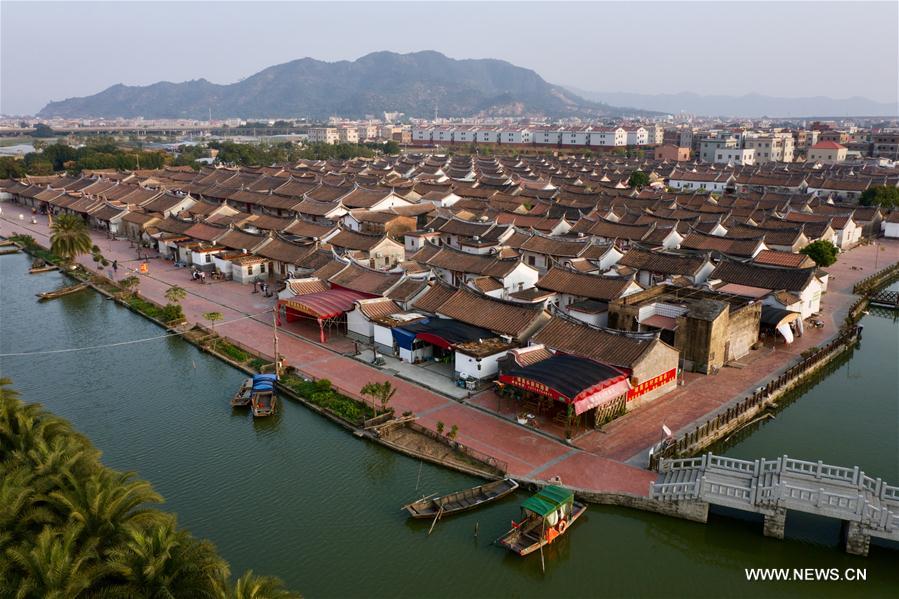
(547, 515)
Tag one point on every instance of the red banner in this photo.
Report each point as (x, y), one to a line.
(652, 384)
(532, 386)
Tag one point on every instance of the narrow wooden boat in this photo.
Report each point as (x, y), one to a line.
(547, 515)
(244, 394)
(48, 295)
(461, 501)
(12, 250)
(262, 396)
(39, 265)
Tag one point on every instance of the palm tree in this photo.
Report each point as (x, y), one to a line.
(54, 567)
(251, 586)
(383, 392)
(175, 294)
(161, 561)
(104, 504)
(70, 238)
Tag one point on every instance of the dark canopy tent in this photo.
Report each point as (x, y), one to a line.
(442, 332)
(779, 319)
(570, 379)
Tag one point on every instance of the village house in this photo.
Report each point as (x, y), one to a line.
(651, 364)
(709, 329)
(761, 282)
(585, 297)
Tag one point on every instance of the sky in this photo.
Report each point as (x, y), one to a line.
(56, 50)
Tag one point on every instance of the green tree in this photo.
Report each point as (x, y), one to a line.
(70, 238)
(213, 317)
(12, 168)
(823, 252)
(175, 294)
(885, 196)
(130, 284)
(382, 392)
(161, 561)
(42, 130)
(638, 179)
(56, 566)
(251, 586)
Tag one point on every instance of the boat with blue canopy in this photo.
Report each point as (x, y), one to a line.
(262, 395)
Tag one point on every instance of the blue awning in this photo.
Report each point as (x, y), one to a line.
(403, 338)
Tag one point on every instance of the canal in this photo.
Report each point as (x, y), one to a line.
(299, 498)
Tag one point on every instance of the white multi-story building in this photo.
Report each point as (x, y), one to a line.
(575, 136)
(608, 136)
(515, 136)
(422, 134)
(546, 136)
(348, 135)
(367, 132)
(655, 134)
(465, 135)
(636, 136)
(326, 135)
(442, 135)
(735, 156)
(776, 147)
(488, 136)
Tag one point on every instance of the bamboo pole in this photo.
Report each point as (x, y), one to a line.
(436, 518)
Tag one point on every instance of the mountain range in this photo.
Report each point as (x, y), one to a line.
(749, 105)
(417, 84)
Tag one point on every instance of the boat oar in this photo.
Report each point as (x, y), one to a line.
(436, 518)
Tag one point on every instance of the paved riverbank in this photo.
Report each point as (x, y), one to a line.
(596, 464)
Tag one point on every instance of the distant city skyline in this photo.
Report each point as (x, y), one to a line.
(53, 51)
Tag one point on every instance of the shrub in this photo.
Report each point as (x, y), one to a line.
(171, 313)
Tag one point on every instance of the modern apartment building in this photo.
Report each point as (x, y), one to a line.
(326, 135)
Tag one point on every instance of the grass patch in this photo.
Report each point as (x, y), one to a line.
(232, 351)
(323, 394)
(258, 364)
(144, 307)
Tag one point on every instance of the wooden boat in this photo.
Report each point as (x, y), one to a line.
(461, 501)
(264, 403)
(48, 295)
(262, 395)
(547, 515)
(40, 266)
(244, 394)
(39, 269)
(12, 250)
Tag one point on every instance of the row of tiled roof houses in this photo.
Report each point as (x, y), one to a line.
(529, 256)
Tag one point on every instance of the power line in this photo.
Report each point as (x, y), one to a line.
(120, 343)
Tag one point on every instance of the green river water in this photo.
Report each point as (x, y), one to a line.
(297, 497)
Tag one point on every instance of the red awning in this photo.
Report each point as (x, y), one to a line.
(324, 304)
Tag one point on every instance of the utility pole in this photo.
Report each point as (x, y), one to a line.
(275, 338)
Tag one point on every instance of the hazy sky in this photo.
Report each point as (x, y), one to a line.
(52, 51)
